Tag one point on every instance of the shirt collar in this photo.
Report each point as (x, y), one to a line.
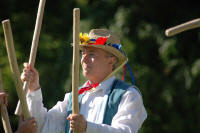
(105, 85)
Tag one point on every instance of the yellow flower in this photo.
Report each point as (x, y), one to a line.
(84, 38)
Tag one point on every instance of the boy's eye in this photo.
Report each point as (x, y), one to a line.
(91, 54)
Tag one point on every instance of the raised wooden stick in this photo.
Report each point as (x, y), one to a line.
(183, 27)
(34, 46)
(75, 65)
(14, 66)
(4, 112)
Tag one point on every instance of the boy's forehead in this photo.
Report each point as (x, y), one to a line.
(94, 50)
(90, 49)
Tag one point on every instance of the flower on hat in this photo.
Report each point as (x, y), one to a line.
(84, 38)
(101, 40)
(117, 46)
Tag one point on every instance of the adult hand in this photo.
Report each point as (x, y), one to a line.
(30, 74)
(28, 126)
(3, 99)
(77, 123)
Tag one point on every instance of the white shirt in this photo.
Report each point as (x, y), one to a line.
(128, 119)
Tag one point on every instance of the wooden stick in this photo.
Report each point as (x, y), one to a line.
(14, 66)
(34, 46)
(183, 27)
(75, 65)
(4, 112)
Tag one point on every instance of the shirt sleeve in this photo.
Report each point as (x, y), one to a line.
(129, 117)
(52, 121)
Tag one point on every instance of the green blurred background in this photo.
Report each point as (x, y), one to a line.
(166, 69)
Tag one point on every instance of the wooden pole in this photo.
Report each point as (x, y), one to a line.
(14, 66)
(4, 112)
(75, 65)
(183, 27)
(34, 46)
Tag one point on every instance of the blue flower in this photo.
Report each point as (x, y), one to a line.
(117, 46)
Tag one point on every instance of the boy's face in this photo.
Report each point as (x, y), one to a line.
(96, 64)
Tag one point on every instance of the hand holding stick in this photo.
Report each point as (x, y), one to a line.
(183, 27)
(14, 66)
(34, 46)
(4, 112)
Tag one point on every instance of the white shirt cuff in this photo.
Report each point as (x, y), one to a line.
(35, 95)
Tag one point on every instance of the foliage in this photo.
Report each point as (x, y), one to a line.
(167, 70)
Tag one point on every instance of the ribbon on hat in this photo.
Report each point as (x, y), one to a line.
(117, 46)
(85, 39)
(130, 71)
(88, 87)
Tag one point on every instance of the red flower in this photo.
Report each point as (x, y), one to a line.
(101, 41)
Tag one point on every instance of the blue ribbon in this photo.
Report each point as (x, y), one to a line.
(117, 46)
(93, 40)
(131, 73)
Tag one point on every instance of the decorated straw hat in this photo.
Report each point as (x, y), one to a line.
(106, 40)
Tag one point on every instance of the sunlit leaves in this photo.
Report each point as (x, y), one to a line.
(196, 68)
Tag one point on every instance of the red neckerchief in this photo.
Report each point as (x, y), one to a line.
(88, 87)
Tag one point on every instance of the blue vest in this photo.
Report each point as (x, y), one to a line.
(114, 97)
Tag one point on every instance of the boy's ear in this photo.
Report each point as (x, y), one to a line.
(113, 60)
